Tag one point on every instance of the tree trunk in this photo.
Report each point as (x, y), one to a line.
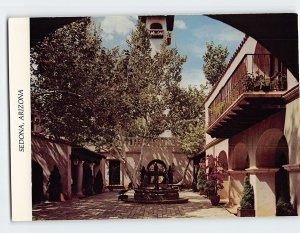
(184, 173)
(141, 157)
(126, 166)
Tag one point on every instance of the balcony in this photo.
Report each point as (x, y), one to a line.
(253, 92)
(156, 33)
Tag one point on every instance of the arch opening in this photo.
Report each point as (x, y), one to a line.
(240, 157)
(267, 148)
(222, 159)
(37, 182)
(156, 26)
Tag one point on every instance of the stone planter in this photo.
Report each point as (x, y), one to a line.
(214, 199)
(245, 212)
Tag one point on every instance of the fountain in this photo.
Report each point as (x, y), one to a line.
(154, 190)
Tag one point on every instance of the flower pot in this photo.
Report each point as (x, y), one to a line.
(201, 191)
(245, 212)
(214, 199)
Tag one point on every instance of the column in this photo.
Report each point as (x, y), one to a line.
(79, 178)
(93, 177)
(236, 180)
(263, 181)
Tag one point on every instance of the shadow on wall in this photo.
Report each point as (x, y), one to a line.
(47, 154)
(240, 157)
(266, 148)
(236, 189)
(292, 130)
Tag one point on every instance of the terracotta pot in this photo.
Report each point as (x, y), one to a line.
(214, 199)
(245, 212)
(201, 192)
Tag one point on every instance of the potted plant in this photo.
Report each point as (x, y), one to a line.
(285, 208)
(214, 180)
(247, 202)
(248, 82)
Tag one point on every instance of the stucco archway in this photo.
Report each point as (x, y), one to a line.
(37, 182)
(272, 182)
(223, 164)
(240, 157)
(222, 158)
(282, 187)
(267, 148)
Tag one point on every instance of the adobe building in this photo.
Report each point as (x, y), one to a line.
(81, 169)
(163, 150)
(252, 119)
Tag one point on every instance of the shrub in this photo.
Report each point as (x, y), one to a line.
(285, 208)
(201, 179)
(247, 201)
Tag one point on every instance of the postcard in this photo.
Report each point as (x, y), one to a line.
(154, 116)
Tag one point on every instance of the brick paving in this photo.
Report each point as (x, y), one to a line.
(107, 206)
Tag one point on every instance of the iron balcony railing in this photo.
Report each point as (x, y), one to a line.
(255, 73)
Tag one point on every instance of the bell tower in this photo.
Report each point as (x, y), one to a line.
(160, 27)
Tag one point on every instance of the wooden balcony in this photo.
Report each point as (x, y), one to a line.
(253, 92)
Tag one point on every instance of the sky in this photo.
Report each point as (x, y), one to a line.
(189, 36)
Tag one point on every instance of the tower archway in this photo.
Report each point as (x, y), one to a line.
(156, 26)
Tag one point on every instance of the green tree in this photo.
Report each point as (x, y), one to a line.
(143, 85)
(68, 68)
(92, 95)
(186, 119)
(214, 62)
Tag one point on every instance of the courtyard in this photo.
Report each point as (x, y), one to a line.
(107, 206)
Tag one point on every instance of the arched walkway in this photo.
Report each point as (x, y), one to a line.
(239, 161)
(282, 177)
(266, 148)
(222, 158)
(223, 163)
(37, 182)
(272, 182)
(240, 157)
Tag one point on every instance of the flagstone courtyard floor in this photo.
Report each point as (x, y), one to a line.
(107, 206)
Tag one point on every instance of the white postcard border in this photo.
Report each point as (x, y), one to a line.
(20, 118)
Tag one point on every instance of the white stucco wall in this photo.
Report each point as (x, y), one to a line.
(292, 134)
(156, 43)
(292, 130)
(164, 149)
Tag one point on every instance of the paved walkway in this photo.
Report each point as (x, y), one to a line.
(107, 206)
